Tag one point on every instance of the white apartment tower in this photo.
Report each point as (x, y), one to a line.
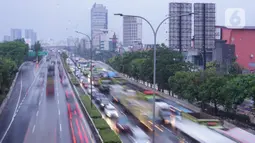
(30, 34)
(99, 21)
(132, 31)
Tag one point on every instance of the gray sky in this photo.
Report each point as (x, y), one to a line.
(58, 19)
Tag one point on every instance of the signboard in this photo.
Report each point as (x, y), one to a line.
(42, 53)
(204, 25)
(180, 26)
(31, 54)
(218, 33)
(252, 64)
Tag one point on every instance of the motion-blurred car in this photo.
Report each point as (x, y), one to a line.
(110, 111)
(104, 102)
(65, 82)
(97, 94)
(89, 89)
(98, 98)
(137, 135)
(123, 125)
(72, 106)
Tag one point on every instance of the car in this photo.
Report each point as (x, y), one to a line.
(65, 82)
(72, 106)
(123, 125)
(97, 94)
(104, 102)
(98, 98)
(137, 135)
(89, 90)
(110, 111)
(73, 110)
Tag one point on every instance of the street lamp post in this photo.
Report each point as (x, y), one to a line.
(155, 31)
(91, 44)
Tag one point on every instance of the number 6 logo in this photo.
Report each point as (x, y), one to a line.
(235, 18)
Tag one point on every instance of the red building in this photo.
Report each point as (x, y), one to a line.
(244, 40)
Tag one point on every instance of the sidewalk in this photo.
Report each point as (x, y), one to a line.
(178, 101)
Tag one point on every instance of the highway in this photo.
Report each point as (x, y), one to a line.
(162, 134)
(40, 118)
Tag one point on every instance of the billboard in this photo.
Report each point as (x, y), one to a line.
(204, 25)
(180, 27)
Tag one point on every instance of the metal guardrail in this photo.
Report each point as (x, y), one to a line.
(91, 124)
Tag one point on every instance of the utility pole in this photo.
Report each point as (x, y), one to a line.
(204, 46)
(180, 34)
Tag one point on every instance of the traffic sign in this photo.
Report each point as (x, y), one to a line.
(31, 54)
(42, 53)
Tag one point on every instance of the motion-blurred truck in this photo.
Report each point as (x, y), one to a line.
(50, 80)
(104, 84)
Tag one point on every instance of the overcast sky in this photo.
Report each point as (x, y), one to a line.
(58, 19)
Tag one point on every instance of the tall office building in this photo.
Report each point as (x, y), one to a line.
(132, 31)
(204, 25)
(16, 34)
(30, 34)
(180, 26)
(99, 21)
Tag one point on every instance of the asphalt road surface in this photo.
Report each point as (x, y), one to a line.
(7, 118)
(162, 133)
(30, 116)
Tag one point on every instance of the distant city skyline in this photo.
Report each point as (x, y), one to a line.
(67, 16)
(16, 33)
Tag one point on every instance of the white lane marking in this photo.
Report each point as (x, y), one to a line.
(58, 101)
(57, 94)
(37, 113)
(58, 112)
(60, 127)
(19, 96)
(33, 129)
(40, 102)
(14, 114)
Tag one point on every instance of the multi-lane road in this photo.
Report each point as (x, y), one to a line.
(31, 116)
(162, 134)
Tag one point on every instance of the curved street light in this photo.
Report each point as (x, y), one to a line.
(91, 44)
(155, 31)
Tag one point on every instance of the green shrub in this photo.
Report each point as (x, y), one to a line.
(101, 124)
(93, 112)
(109, 136)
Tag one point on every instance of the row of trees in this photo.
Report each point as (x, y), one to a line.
(183, 79)
(139, 65)
(12, 55)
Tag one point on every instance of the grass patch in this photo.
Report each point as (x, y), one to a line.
(109, 136)
(93, 112)
(74, 80)
(101, 124)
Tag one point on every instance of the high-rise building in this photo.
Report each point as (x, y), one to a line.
(7, 38)
(16, 34)
(30, 34)
(99, 21)
(204, 25)
(132, 31)
(180, 25)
